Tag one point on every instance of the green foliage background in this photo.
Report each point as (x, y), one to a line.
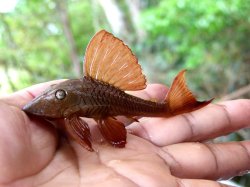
(209, 38)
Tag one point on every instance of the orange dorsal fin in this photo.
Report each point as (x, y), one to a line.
(109, 60)
(180, 99)
(79, 131)
(113, 131)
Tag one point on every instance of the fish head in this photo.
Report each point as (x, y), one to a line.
(56, 101)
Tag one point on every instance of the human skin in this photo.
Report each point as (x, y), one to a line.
(159, 151)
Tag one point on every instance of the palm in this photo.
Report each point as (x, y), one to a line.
(31, 155)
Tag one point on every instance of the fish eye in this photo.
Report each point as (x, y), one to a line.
(60, 94)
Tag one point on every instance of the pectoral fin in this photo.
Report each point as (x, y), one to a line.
(79, 131)
(113, 131)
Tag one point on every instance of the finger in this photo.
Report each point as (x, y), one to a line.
(20, 98)
(199, 183)
(207, 161)
(155, 92)
(26, 144)
(209, 122)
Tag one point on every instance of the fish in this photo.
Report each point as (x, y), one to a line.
(110, 70)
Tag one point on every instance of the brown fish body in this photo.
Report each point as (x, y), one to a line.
(110, 69)
(100, 100)
(94, 99)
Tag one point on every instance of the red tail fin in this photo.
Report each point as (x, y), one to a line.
(180, 99)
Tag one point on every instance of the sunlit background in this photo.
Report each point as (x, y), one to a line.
(46, 40)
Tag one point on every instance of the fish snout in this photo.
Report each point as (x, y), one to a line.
(42, 109)
(34, 108)
(27, 108)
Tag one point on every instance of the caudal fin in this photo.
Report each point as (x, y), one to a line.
(180, 99)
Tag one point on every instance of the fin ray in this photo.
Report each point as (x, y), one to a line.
(79, 131)
(109, 60)
(113, 131)
(180, 99)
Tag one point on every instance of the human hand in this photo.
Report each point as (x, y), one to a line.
(159, 152)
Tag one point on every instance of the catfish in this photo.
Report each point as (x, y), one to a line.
(110, 69)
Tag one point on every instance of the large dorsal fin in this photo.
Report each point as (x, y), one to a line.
(109, 60)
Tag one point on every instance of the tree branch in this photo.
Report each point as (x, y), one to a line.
(236, 94)
(64, 18)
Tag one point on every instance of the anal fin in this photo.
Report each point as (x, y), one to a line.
(113, 131)
(79, 131)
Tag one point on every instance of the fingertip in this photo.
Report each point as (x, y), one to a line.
(157, 91)
(238, 110)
